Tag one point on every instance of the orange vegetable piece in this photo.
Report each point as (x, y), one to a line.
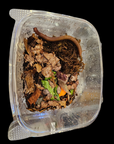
(62, 93)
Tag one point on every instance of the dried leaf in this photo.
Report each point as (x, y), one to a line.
(65, 47)
(39, 101)
(60, 44)
(26, 45)
(70, 101)
(60, 49)
(34, 36)
(63, 103)
(29, 58)
(39, 86)
(42, 110)
(38, 67)
(68, 97)
(34, 109)
(30, 109)
(30, 82)
(63, 85)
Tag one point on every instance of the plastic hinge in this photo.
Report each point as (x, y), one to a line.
(16, 132)
(18, 14)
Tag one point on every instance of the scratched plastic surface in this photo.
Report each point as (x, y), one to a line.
(86, 106)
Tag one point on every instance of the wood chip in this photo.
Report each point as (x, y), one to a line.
(34, 96)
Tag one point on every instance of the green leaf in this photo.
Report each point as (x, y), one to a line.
(52, 98)
(71, 91)
(56, 94)
(53, 91)
(48, 78)
(46, 85)
(54, 72)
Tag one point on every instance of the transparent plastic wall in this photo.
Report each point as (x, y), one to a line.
(86, 105)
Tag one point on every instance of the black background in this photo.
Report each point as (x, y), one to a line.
(92, 12)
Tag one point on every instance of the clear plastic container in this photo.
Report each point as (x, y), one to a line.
(86, 106)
